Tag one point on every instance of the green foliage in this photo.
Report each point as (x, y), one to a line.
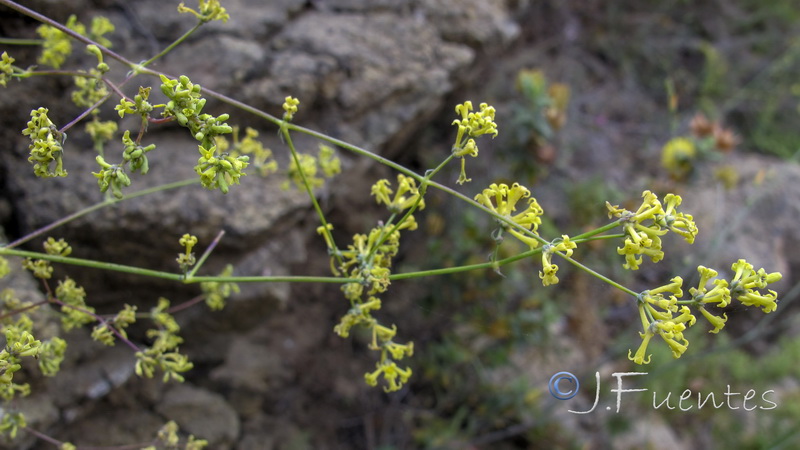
(163, 353)
(72, 298)
(219, 171)
(260, 157)
(46, 145)
(6, 68)
(11, 422)
(217, 292)
(57, 45)
(105, 331)
(169, 438)
(304, 168)
(208, 10)
(111, 176)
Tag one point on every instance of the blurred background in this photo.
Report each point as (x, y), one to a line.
(597, 101)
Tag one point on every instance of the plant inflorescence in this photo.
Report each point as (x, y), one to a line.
(363, 267)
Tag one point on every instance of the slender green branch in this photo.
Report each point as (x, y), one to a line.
(20, 41)
(459, 269)
(272, 279)
(46, 73)
(422, 188)
(596, 231)
(95, 207)
(170, 276)
(170, 47)
(92, 263)
(599, 238)
(310, 190)
(597, 275)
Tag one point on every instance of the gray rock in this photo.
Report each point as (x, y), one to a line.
(249, 366)
(202, 413)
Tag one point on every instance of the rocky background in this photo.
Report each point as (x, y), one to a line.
(269, 371)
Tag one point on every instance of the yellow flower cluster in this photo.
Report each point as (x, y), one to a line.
(645, 227)
(208, 10)
(307, 166)
(368, 261)
(548, 273)
(406, 196)
(471, 125)
(290, 108)
(394, 375)
(668, 317)
(656, 312)
(503, 200)
(260, 156)
(746, 281)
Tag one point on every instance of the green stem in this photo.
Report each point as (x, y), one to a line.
(597, 275)
(20, 41)
(599, 238)
(92, 263)
(168, 275)
(271, 279)
(103, 204)
(170, 47)
(597, 231)
(46, 73)
(310, 190)
(422, 188)
(459, 269)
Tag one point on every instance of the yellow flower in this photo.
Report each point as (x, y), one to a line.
(405, 197)
(632, 252)
(471, 125)
(674, 286)
(649, 208)
(685, 316)
(680, 223)
(548, 273)
(746, 280)
(767, 302)
(391, 373)
(290, 107)
(719, 294)
(639, 358)
(503, 201)
(716, 321)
